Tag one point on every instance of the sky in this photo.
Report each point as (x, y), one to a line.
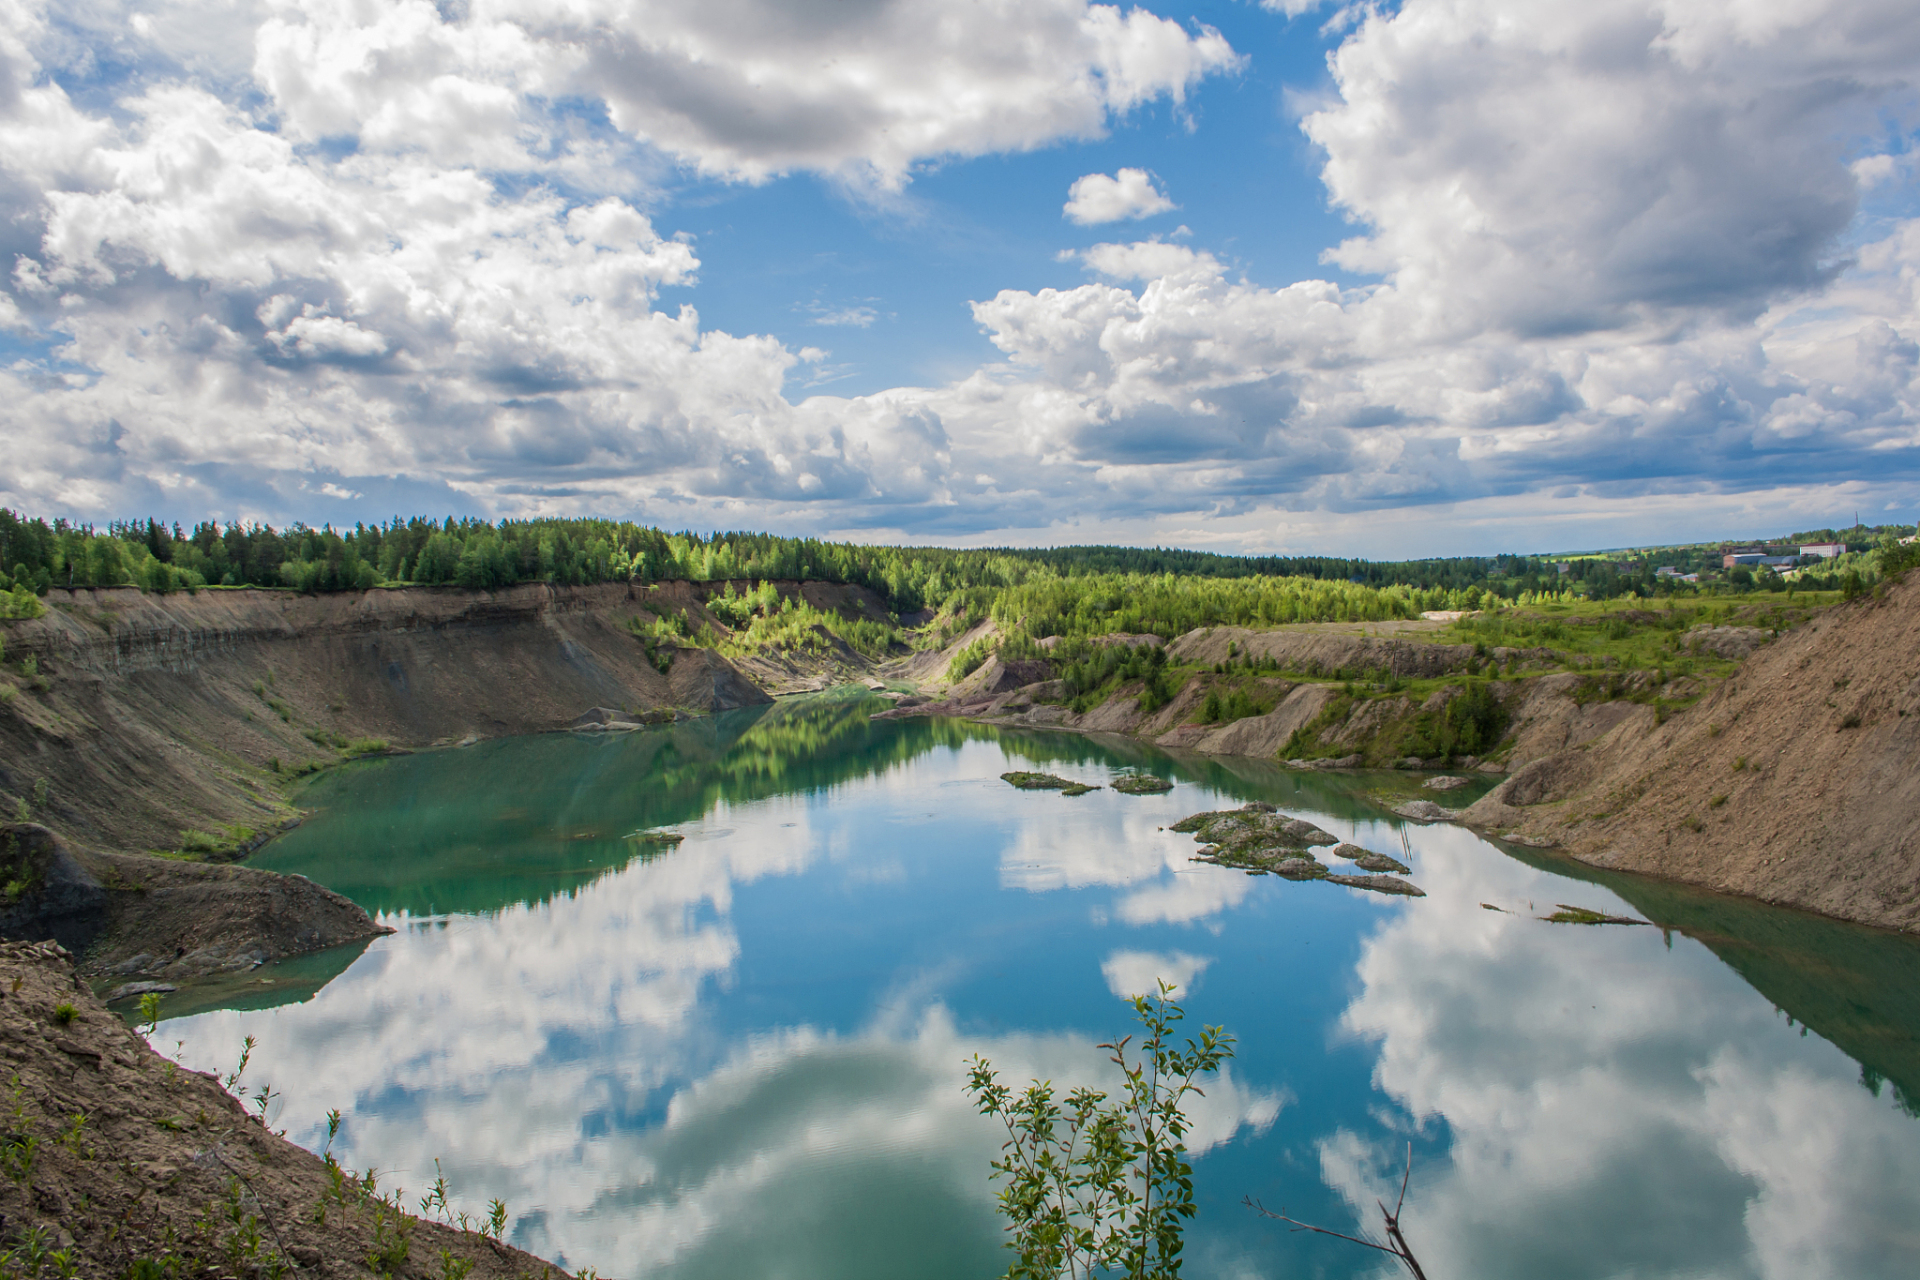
(1446, 277)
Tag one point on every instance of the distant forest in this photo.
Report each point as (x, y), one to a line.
(36, 555)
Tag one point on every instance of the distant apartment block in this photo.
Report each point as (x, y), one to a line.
(1825, 550)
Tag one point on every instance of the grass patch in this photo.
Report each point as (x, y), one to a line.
(1036, 781)
(1635, 634)
(1234, 703)
(203, 846)
(1582, 915)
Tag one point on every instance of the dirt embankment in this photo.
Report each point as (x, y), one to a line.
(163, 920)
(153, 715)
(1797, 781)
(116, 1156)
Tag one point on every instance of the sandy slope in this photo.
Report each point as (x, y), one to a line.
(158, 713)
(1797, 781)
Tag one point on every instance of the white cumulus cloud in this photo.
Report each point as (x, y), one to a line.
(1130, 193)
(1615, 250)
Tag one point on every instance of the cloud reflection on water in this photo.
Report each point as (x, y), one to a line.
(558, 1055)
(1078, 847)
(665, 1074)
(1615, 1107)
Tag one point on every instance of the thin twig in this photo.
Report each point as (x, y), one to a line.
(1298, 1225)
(1398, 1248)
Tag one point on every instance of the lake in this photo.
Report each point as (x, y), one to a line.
(743, 1056)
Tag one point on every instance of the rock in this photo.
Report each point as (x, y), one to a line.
(1257, 839)
(601, 718)
(1407, 762)
(60, 898)
(128, 990)
(1299, 869)
(1342, 762)
(1445, 783)
(1426, 811)
(1368, 860)
(1140, 784)
(1380, 884)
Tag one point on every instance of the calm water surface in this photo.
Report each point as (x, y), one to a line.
(743, 1057)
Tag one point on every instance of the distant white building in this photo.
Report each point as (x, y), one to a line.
(1826, 550)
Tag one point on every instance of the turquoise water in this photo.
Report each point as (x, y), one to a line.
(742, 1056)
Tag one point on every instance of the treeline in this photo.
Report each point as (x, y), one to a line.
(1169, 605)
(477, 554)
(1055, 591)
(1452, 574)
(465, 553)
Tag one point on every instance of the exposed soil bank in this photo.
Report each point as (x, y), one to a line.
(117, 1155)
(152, 715)
(136, 917)
(1797, 781)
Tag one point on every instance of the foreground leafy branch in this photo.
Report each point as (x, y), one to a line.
(1095, 1185)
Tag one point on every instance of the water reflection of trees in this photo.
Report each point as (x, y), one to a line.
(528, 819)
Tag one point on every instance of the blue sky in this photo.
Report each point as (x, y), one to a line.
(1452, 276)
(778, 258)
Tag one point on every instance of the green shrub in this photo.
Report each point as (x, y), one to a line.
(969, 659)
(20, 603)
(1236, 705)
(1099, 1187)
